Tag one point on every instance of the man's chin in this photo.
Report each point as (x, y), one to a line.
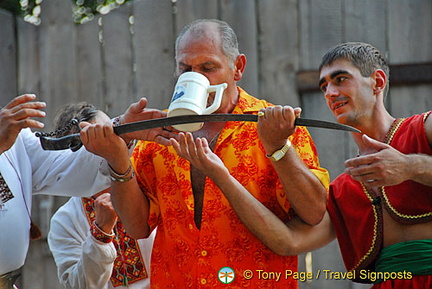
(342, 119)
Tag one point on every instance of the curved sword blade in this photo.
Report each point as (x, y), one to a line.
(69, 141)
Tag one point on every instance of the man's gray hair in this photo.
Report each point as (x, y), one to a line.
(227, 35)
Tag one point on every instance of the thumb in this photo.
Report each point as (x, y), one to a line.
(139, 106)
(374, 144)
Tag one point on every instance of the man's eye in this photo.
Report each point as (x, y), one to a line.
(341, 79)
(208, 68)
(323, 88)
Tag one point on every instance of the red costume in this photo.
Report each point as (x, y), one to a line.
(356, 211)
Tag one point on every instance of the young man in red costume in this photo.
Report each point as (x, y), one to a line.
(381, 207)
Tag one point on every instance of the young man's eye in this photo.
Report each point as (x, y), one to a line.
(341, 79)
(323, 88)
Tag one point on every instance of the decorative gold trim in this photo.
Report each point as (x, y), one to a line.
(426, 114)
(393, 129)
(375, 230)
(403, 216)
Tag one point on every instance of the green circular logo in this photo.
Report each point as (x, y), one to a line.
(226, 275)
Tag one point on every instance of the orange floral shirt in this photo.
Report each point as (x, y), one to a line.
(186, 257)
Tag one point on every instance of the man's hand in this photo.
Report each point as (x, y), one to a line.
(16, 115)
(382, 166)
(106, 217)
(199, 154)
(101, 140)
(138, 112)
(276, 125)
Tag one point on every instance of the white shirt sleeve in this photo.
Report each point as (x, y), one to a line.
(64, 172)
(82, 261)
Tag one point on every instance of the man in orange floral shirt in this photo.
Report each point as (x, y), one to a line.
(201, 242)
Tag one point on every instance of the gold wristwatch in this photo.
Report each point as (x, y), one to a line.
(280, 153)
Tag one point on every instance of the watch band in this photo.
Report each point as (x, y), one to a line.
(280, 153)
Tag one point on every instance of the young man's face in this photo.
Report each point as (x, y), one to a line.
(348, 94)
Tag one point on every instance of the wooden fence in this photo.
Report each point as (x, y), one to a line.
(129, 53)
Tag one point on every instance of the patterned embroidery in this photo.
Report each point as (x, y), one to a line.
(100, 235)
(5, 192)
(128, 261)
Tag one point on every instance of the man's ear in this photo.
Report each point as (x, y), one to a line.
(239, 67)
(380, 80)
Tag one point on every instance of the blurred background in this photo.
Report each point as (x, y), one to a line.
(111, 53)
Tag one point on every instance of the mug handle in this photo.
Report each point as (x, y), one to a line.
(218, 97)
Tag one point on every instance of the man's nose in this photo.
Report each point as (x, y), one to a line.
(331, 91)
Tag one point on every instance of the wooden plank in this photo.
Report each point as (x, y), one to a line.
(90, 77)
(154, 52)
(278, 50)
(410, 20)
(57, 54)
(52, 69)
(406, 101)
(320, 26)
(186, 11)
(8, 71)
(28, 59)
(409, 31)
(364, 21)
(118, 60)
(240, 15)
(411, 74)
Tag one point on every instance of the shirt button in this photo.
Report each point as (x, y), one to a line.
(203, 281)
(204, 253)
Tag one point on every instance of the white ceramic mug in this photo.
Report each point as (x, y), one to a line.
(190, 98)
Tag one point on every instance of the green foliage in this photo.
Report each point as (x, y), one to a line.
(83, 10)
(28, 9)
(12, 6)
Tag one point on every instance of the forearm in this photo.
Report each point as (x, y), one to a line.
(303, 189)
(419, 167)
(98, 262)
(130, 203)
(81, 260)
(265, 225)
(132, 207)
(292, 238)
(92, 270)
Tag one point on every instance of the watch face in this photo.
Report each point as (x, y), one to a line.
(278, 155)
